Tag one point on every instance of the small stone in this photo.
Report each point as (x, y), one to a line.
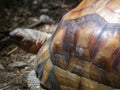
(44, 10)
(44, 18)
(18, 64)
(26, 67)
(1, 67)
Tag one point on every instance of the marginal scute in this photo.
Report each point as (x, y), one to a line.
(47, 68)
(64, 78)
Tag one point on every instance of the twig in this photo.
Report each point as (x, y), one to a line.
(16, 25)
(6, 87)
(13, 50)
(40, 23)
(7, 84)
(34, 25)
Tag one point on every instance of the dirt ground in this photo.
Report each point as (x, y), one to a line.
(14, 78)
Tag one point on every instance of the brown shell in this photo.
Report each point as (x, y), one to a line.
(84, 51)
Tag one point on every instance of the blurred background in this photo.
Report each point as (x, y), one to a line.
(43, 15)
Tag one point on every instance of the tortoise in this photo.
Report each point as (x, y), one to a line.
(84, 51)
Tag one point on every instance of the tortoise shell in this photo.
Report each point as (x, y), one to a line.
(84, 51)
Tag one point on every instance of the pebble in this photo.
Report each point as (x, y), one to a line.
(18, 64)
(44, 18)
